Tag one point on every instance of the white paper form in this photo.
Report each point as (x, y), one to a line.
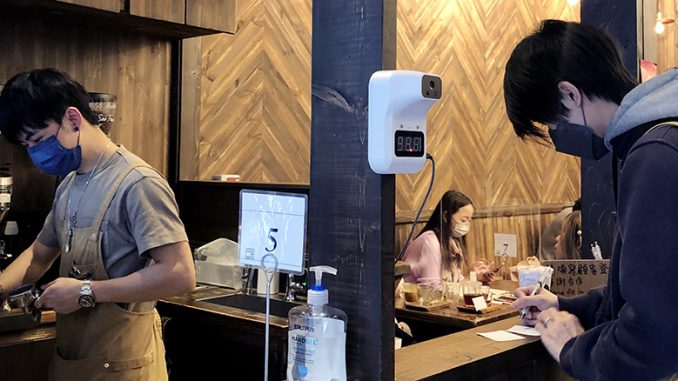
(501, 336)
(524, 330)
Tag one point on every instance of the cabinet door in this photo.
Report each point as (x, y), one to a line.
(168, 10)
(107, 5)
(211, 14)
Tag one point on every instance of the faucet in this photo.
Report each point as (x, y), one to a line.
(3, 255)
(246, 280)
(292, 288)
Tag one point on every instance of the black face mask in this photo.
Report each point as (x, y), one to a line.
(577, 140)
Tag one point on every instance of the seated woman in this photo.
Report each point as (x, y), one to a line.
(548, 237)
(568, 242)
(437, 252)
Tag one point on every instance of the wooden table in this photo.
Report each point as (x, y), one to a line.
(447, 320)
(467, 356)
(450, 316)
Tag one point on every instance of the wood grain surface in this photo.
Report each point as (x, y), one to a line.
(255, 108)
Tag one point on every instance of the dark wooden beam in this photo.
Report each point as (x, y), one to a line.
(597, 185)
(352, 209)
(174, 135)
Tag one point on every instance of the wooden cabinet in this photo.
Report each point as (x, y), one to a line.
(174, 19)
(106, 5)
(211, 14)
(168, 10)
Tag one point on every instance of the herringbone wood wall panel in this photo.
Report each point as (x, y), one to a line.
(468, 43)
(255, 107)
(256, 95)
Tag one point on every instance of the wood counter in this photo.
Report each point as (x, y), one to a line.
(25, 354)
(203, 339)
(196, 304)
(467, 356)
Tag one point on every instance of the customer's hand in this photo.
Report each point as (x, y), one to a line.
(484, 271)
(557, 328)
(537, 303)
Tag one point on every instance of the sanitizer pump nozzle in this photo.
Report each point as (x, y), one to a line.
(318, 295)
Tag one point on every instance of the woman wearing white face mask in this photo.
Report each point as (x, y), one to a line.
(438, 252)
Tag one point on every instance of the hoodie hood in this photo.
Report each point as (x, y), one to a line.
(652, 100)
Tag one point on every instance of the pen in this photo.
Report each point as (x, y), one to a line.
(524, 310)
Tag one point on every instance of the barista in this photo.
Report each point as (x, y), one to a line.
(114, 225)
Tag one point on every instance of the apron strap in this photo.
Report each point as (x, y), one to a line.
(108, 197)
(140, 307)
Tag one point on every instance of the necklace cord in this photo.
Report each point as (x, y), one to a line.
(74, 217)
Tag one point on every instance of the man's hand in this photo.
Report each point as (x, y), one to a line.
(536, 303)
(557, 328)
(61, 295)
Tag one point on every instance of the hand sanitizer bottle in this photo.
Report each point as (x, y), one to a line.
(317, 336)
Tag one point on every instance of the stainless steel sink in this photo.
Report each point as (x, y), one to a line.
(253, 303)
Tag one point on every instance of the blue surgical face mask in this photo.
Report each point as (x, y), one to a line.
(53, 158)
(578, 140)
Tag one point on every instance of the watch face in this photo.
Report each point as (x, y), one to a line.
(86, 301)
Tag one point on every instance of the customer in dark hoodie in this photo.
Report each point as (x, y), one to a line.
(568, 79)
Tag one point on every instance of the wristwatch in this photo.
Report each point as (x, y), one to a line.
(86, 298)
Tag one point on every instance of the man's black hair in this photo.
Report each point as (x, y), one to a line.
(559, 51)
(30, 99)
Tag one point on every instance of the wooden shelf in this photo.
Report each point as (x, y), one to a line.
(108, 19)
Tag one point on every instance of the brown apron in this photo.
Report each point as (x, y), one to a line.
(107, 342)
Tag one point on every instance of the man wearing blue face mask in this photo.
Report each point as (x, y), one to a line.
(114, 226)
(568, 79)
(51, 157)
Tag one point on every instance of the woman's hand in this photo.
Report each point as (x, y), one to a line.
(484, 271)
(536, 303)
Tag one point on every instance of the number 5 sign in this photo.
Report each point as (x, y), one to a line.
(272, 223)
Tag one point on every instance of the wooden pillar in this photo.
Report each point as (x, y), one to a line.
(352, 209)
(597, 185)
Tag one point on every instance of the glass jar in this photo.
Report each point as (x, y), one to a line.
(5, 191)
(104, 107)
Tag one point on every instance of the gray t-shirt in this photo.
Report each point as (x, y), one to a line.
(143, 213)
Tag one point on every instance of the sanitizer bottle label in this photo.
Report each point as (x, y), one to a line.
(317, 350)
